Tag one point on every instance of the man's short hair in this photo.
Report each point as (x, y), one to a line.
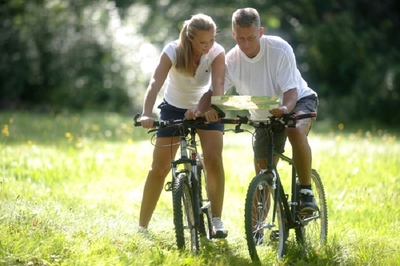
(246, 17)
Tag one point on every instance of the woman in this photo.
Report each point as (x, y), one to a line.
(191, 65)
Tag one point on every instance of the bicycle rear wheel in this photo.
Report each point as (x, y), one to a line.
(314, 229)
(185, 211)
(262, 234)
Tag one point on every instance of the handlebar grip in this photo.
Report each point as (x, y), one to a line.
(229, 121)
(239, 120)
(198, 119)
(139, 124)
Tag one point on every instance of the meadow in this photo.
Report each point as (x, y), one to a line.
(71, 184)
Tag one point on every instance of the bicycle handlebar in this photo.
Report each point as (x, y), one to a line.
(272, 120)
(173, 122)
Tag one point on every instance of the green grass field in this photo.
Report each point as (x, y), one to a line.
(71, 184)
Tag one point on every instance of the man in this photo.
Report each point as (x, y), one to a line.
(264, 65)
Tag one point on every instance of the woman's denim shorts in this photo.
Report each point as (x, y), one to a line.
(168, 111)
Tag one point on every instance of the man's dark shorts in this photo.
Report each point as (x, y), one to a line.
(306, 104)
(168, 111)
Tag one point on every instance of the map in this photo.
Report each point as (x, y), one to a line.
(243, 102)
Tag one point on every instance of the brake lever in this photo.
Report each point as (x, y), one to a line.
(136, 123)
(221, 114)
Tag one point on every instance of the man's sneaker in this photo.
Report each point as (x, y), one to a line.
(219, 230)
(307, 201)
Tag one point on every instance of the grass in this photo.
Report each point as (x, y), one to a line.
(71, 184)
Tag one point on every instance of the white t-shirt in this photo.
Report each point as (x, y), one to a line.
(182, 90)
(271, 73)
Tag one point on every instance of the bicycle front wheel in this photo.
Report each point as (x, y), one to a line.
(263, 233)
(205, 226)
(184, 215)
(314, 228)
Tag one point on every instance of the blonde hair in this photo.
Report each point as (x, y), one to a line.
(184, 60)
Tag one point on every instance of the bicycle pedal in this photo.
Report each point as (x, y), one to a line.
(168, 186)
(274, 236)
(306, 213)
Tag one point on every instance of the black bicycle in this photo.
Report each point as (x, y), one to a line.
(191, 206)
(266, 229)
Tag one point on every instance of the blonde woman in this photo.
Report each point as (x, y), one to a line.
(190, 66)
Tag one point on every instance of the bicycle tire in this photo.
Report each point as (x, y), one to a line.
(314, 231)
(258, 220)
(205, 225)
(184, 215)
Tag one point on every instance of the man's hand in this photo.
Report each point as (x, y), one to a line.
(147, 122)
(280, 111)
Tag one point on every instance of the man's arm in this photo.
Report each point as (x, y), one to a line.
(288, 103)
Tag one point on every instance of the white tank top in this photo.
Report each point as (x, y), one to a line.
(183, 91)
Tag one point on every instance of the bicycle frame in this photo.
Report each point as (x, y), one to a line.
(188, 159)
(187, 162)
(293, 202)
(294, 194)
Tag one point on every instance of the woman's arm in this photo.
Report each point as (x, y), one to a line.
(156, 82)
(217, 81)
(218, 75)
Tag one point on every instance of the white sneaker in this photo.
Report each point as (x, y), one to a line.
(219, 230)
(143, 231)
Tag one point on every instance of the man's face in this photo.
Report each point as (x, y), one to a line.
(248, 39)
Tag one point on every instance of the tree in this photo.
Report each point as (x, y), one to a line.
(68, 53)
(348, 51)
(57, 54)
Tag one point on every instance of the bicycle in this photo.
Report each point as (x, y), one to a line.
(191, 206)
(309, 228)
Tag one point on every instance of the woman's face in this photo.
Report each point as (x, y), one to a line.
(202, 41)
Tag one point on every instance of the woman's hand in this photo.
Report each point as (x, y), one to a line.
(147, 122)
(192, 113)
(211, 115)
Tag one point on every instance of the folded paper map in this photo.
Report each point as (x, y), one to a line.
(244, 102)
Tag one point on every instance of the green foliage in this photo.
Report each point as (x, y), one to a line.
(60, 54)
(86, 54)
(70, 195)
(348, 51)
